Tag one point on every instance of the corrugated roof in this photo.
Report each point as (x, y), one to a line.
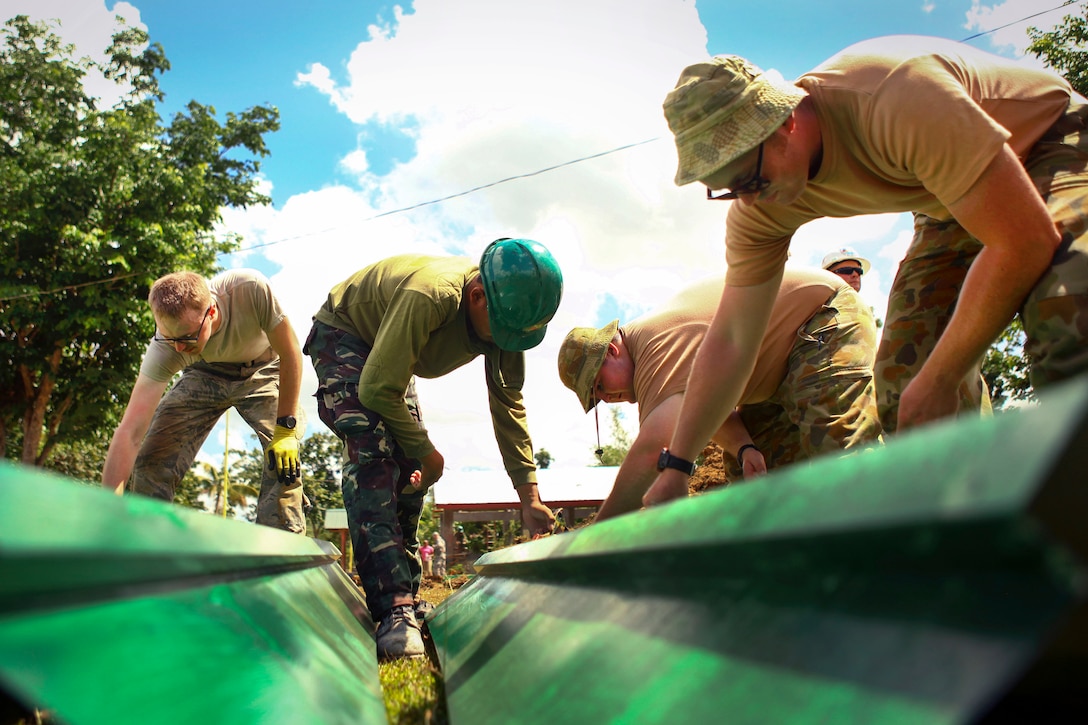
(492, 487)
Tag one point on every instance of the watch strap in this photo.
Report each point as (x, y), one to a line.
(668, 460)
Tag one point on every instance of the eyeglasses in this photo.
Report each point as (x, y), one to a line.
(847, 271)
(187, 338)
(754, 185)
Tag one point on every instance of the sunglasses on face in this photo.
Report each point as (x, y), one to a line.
(187, 338)
(754, 185)
(847, 271)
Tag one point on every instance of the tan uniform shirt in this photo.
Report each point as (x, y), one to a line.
(663, 344)
(248, 312)
(907, 124)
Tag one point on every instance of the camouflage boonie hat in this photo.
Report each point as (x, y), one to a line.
(580, 359)
(723, 108)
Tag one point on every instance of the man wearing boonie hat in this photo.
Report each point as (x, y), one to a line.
(811, 392)
(967, 141)
(848, 264)
(420, 315)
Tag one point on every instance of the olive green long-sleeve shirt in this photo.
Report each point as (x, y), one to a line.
(411, 310)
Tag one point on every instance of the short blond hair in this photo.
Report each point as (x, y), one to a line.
(171, 295)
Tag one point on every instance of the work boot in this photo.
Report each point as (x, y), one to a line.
(399, 636)
(422, 608)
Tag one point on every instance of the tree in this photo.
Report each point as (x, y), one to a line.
(321, 470)
(1063, 49)
(1005, 367)
(95, 204)
(614, 453)
(543, 458)
(203, 484)
(320, 455)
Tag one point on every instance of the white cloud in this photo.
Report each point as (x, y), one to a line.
(489, 92)
(1017, 15)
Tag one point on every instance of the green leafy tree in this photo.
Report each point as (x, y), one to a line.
(320, 455)
(1005, 367)
(1063, 49)
(81, 460)
(95, 204)
(543, 458)
(321, 469)
(614, 453)
(202, 485)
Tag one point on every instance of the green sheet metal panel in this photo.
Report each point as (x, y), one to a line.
(919, 583)
(132, 610)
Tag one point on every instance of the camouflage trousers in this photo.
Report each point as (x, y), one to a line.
(1055, 313)
(826, 401)
(186, 415)
(383, 507)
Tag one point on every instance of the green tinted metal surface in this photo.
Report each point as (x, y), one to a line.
(131, 610)
(934, 580)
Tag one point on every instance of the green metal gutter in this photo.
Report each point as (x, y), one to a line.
(130, 610)
(937, 580)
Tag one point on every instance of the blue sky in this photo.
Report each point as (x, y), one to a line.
(386, 106)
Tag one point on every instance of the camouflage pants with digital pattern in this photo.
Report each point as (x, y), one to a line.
(383, 507)
(826, 402)
(1055, 313)
(186, 415)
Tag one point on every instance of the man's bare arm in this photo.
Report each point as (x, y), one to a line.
(284, 343)
(124, 446)
(1004, 211)
(719, 375)
(639, 467)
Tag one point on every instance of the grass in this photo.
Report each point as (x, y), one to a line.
(414, 690)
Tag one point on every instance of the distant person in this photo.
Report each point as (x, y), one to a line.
(418, 315)
(811, 392)
(986, 153)
(234, 347)
(439, 555)
(848, 264)
(426, 553)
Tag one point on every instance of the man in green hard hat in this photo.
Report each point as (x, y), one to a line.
(423, 315)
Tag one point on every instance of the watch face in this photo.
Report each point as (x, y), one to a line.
(288, 422)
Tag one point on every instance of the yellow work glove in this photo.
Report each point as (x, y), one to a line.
(283, 454)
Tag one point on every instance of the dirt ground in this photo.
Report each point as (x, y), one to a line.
(711, 474)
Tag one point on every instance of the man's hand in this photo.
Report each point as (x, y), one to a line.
(537, 518)
(283, 454)
(670, 484)
(430, 470)
(753, 463)
(923, 402)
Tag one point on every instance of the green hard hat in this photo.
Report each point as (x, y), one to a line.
(523, 286)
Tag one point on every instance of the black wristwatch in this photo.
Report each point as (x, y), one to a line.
(287, 421)
(668, 460)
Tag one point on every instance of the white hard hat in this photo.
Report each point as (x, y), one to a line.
(841, 255)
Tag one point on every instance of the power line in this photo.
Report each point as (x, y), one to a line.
(460, 193)
(474, 189)
(38, 293)
(370, 218)
(1017, 22)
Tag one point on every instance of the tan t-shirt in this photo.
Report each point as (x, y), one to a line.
(663, 344)
(248, 311)
(907, 124)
